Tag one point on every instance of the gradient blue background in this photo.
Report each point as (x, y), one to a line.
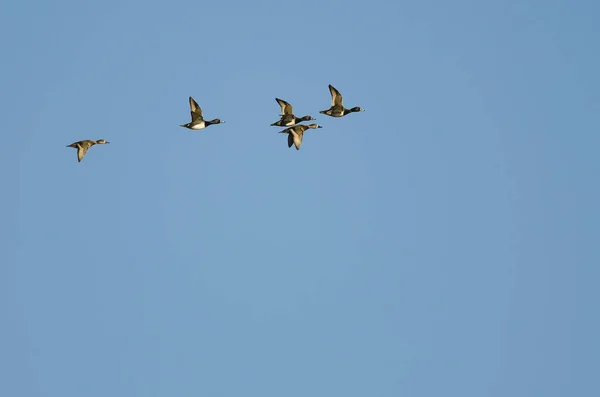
(442, 243)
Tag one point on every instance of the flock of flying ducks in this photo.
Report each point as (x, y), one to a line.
(295, 130)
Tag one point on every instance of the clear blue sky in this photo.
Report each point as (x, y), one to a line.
(442, 243)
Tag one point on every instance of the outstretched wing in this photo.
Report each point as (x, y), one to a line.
(81, 151)
(286, 108)
(195, 110)
(297, 138)
(290, 139)
(336, 97)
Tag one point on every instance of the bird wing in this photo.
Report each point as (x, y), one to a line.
(297, 138)
(286, 108)
(195, 110)
(81, 151)
(336, 97)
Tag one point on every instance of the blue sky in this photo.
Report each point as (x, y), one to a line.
(443, 242)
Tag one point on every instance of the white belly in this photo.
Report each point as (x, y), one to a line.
(199, 126)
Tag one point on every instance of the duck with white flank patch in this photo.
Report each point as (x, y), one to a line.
(198, 121)
(337, 109)
(287, 115)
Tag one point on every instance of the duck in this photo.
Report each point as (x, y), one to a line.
(296, 133)
(337, 109)
(287, 116)
(198, 121)
(83, 146)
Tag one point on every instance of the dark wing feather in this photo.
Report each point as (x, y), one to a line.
(336, 97)
(195, 110)
(286, 108)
